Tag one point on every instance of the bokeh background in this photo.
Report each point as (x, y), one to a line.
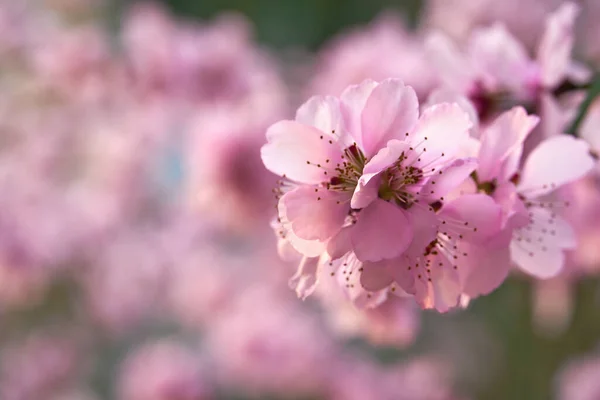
(169, 302)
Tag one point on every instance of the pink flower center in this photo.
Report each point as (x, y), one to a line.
(349, 170)
(397, 180)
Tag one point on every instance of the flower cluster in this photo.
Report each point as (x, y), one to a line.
(435, 201)
(390, 198)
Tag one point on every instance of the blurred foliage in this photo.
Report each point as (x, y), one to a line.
(593, 93)
(305, 23)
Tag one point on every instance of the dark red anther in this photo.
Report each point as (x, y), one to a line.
(354, 151)
(515, 178)
(335, 181)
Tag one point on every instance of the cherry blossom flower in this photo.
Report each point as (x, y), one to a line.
(540, 234)
(437, 268)
(459, 18)
(363, 199)
(336, 157)
(496, 72)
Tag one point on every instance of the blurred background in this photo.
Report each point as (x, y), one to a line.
(137, 260)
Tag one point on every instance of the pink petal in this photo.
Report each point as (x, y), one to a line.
(548, 229)
(390, 112)
(348, 277)
(286, 251)
(555, 118)
(308, 248)
(382, 231)
(323, 113)
(375, 276)
(366, 190)
(454, 70)
(425, 224)
(291, 247)
(314, 213)
(487, 265)
(541, 264)
(589, 130)
(450, 178)
(441, 293)
(500, 56)
(353, 101)
(385, 157)
(555, 162)
(578, 72)
(538, 248)
(476, 216)
(402, 276)
(502, 138)
(300, 152)
(441, 132)
(554, 53)
(507, 198)
(340, 244)
(305, 281)
(446, 95)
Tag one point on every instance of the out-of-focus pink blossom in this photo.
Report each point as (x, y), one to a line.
(224, 172)
(394, 321)
(72, 61)
(419, 379)
(590, 128)
(384, 49)
(207, 64)
(163, 370)
(579, 379)
(42, 364)
(125, 280)
(495, 70)
(459, 18)
(583, 215)
(280, 350)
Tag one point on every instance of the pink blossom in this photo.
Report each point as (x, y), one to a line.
(495, 70)
(280, 350)
(393, 321)
(42, 364)
(206, 64)
(336, 155)
(459, 18)
(72, 61)
(540, 235)
(368, 201)
(589, 130)
(162, 370)
(553, 163)
(384, 49)
(583, 215)
(119, 298)
(588, 31)
(416, 379)
(222, 165)
(579, 379)
(436, 268)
